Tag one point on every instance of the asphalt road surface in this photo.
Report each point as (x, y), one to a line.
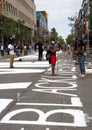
(32, 99)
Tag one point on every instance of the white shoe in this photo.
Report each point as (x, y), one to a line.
(82, 75)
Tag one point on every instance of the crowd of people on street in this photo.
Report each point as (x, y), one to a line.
(77, 49)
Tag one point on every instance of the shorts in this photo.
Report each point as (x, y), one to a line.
(53, 60)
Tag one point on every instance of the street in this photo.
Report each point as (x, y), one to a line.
(32, 99)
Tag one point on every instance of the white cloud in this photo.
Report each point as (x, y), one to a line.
(58, 12)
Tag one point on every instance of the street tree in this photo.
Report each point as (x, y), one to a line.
(72, 23)
(8, 28)
(61, 40)
(69, 39)
(53, 34)
(21, 30)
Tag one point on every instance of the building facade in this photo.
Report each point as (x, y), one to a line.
(24, 10)
(42, 24)
(20, 10)
(83, 24)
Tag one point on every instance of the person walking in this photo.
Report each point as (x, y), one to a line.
(11, 54)
(40, 48)
(53, 48)
(2, 50)
(81, 57)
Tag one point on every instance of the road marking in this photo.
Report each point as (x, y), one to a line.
(59, 76)
(15, 85)
(47, 128)
(87, 118)
(90, 118)
(78, 121)
(75, 101)
(26, 64)
(4, 103)
(22, 128)
(20, 71)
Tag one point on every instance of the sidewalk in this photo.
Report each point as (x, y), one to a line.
(6, 56)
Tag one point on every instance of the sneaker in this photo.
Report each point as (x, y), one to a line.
(76, 63)
(82, 75)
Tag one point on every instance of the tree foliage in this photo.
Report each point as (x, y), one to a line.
(9, 27)
(61, 40)
(21, 30)
(69, 39)
(53, 34)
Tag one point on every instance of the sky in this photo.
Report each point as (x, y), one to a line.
(58, 13)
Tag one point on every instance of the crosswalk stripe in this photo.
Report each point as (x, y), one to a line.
(26, 64)
(18, 71)
(18, 85)
(4, 103)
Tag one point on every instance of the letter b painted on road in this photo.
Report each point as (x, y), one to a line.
(77, 115)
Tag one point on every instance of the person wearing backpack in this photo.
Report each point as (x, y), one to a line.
(81, 57)
(53, 48)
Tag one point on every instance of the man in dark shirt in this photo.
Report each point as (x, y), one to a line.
(40, 48)
(53, 48)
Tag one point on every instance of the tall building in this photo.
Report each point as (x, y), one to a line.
(83, 24)
(42, 24)
(24, 10)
